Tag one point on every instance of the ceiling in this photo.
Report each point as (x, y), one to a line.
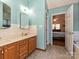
(58, 3)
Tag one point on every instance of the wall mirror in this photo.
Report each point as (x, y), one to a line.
(24, 17)
(24, 21)
(5, 15)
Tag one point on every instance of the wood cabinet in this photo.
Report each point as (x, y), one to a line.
(32, 44)
(18, 50)
(1, 53)
(23, 49)
(11, 51)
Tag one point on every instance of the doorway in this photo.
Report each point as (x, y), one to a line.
(68, 31)
(58, 29)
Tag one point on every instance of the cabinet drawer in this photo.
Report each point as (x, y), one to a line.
(23, 56)
(24, 47)
(22, 42)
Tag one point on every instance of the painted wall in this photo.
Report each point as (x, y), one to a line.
(52, 12)
(1, 14)
(14, 12)
(76, 17)
(38, 18)
(15, 9)
(57, 10)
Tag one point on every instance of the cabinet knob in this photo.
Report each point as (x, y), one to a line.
(6, 50)
(2, 52)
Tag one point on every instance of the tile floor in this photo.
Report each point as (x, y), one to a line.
(55, 52)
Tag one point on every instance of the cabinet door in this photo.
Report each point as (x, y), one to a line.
(23, 56)
(32, 44)
(11, 51)
(24, 49)
(1, 53)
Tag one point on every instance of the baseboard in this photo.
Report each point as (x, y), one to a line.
(41, 49)
(70, 53)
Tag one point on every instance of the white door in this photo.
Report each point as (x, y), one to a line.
(69, 30)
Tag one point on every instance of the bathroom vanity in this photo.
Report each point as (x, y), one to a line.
(17, 41)
(18, 48)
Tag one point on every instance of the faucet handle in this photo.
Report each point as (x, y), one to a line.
(23, 34)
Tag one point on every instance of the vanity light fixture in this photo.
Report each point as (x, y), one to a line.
(26, 10)
(55, 19)
(23, 9)
(31, 12)
(4, 0)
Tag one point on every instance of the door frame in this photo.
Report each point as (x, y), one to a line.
(65, 23)
(70, 32)
(51, 23)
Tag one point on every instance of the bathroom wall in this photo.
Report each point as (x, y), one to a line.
(38, 18)
(52, 12)
(76, 22)
(76, 17)
(57, 10)
(15, 9)
(1, 14)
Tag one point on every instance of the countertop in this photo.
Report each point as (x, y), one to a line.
(15, 38)
(5, 41)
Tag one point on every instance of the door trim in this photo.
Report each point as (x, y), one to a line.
(51, 24)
